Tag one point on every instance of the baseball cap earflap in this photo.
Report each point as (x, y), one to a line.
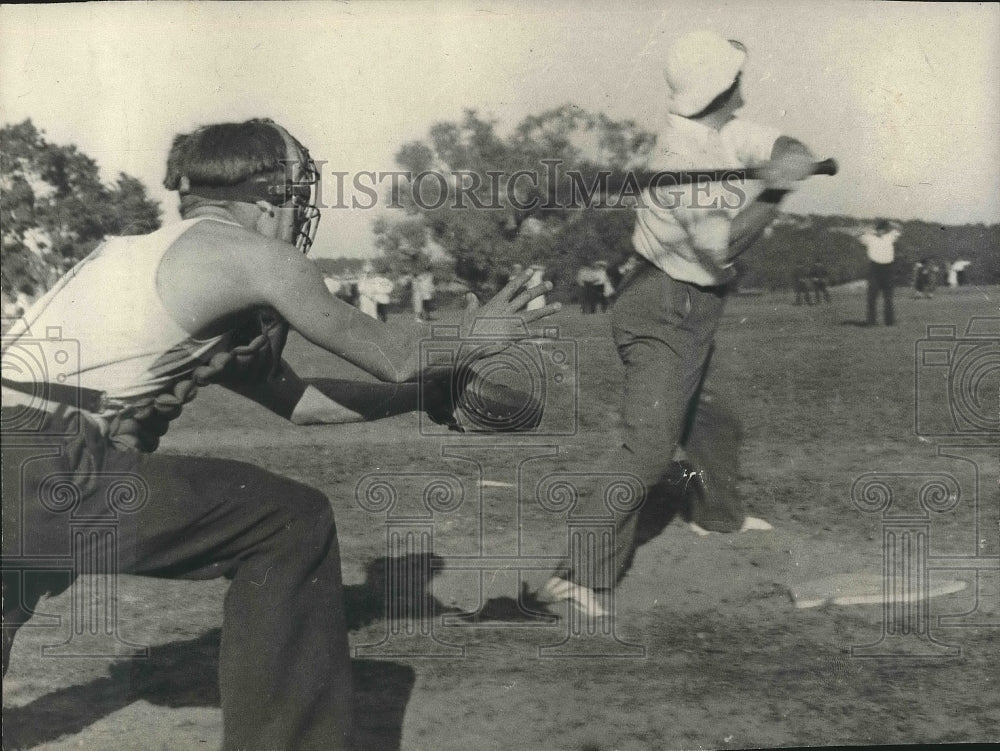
(700, 66)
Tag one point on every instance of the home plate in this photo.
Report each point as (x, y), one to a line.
(862, 589)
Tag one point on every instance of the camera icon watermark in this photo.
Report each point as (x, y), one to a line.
(957, 380)
(497, 385)
(907, 504)
(499, 568)
(939, 537)
(37, 371)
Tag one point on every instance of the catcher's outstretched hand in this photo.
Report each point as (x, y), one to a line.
(503, 317)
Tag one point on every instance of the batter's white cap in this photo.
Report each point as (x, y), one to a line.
(700, 66)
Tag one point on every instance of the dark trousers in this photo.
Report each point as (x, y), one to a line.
(664, 330)
(591, 296)
(880, 282)
(284, 666)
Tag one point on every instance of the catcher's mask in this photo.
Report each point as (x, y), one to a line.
(295, 184)
(299, 188)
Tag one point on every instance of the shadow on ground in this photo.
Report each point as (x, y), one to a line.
(185, 673)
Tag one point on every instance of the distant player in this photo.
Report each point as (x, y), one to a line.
(818, 281)
(537, 279)
(802, 286)
(880, 246)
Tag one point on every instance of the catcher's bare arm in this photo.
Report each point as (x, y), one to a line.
(289, 396)
(265, 272)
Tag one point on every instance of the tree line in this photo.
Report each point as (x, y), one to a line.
(55, 208)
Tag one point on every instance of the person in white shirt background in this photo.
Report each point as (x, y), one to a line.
(537, 277)
(374, 294)
(880, 245)
(425, 284)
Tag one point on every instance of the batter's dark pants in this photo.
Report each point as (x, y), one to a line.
(880, 282)
(284, 667)
(664, 330)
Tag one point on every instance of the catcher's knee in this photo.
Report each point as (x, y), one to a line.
(304, 521)
(312, 506)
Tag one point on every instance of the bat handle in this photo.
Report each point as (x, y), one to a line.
(826, 167)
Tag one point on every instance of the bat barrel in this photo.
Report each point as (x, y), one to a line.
(826, 167)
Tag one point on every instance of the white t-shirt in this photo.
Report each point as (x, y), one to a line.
(685, 226)
(881, 248)
(108, 313)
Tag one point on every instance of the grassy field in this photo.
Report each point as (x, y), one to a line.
(707, 649)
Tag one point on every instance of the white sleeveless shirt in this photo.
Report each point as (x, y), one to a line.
(107, 309)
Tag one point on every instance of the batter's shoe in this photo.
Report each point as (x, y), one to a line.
(583, 599)
(753, 523)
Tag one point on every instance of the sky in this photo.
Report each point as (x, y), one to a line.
(906, 96)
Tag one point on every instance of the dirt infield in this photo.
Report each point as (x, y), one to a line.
(706, 649)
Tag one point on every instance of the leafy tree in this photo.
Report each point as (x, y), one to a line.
(470, 188)
(55, 209)
(403, 244)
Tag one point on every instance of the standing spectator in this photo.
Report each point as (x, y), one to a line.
(922, 278)
(615, 275)
(933, 273)
(383, 296)
(537, 278)
(818, 282)
(624, 271)
(366, 292)
(607, 289)
(349, 292)
(416, 296)
(956, 273)
(881, 248)
(589, 281)
(374, 294)
(333, 284)
(803, 290)
(425, 284)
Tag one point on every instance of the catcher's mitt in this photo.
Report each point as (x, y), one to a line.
(467, 401)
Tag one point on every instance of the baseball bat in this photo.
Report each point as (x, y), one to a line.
(643, 179)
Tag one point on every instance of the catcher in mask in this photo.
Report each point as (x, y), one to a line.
(209, 299)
